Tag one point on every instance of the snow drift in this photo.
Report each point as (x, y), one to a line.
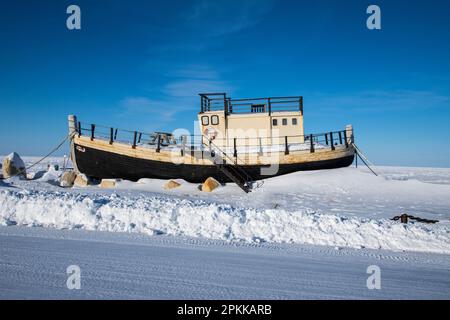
(159, 214)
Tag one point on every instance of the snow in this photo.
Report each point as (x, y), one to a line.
(305, 235)
(33, 264)
(345, 207)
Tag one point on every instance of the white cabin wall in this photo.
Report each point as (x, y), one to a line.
(254, 128)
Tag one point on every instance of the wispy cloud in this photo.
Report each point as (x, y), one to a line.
(144, 105)
(190, 87)
(179, 94)
(201, 27)
(194, 71)
(395, 100)
(220, 17)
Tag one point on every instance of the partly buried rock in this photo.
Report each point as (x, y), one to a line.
(108, 183)
(171, 184)
(67, 179)
(210, 184)
(13, 165)
(81, 180)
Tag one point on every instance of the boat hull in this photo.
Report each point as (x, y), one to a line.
(103, 164)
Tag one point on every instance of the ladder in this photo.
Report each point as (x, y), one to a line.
(236, 174)
(231, 168)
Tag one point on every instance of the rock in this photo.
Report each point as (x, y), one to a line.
(30, 175)
(81, 180)
(108, 183)
(67, 179)
(171, 184)
(12, 165)
(210, 184)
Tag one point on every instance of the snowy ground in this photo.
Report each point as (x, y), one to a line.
(33, 264)
(265, 241)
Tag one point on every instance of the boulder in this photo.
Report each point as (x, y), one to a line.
(210, 184)
(67, 179)
(171, 184)
(81, 181)
(108, 183)
(12, 165)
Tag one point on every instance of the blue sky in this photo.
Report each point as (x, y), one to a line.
(140, 65)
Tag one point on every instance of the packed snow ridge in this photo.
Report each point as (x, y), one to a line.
(160, 214)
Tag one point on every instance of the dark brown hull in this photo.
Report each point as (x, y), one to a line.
(103, 164)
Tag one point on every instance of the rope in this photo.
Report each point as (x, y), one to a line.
(364, 159)
(43, 158)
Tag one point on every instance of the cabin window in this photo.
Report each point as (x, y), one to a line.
(284, 122)
(205, 120)
(274, 122)
(294, 121)
(214, 120)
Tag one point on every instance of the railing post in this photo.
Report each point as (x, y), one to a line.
(345, 139)
(92, 131)
(183, 145)
(349, 132)
(134, 140)
(115, 134)
(340, 137)
(211, 151)
(79, 129)
(234, 148)
(140, 136)
(326, 138)
(225, 104)
(331, 141)
(311, 141)
(286, 147)
(111, 135)
(158, 147)
(72, 119)
(301, 105)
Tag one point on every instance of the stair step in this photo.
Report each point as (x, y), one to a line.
(241, 182)
(234, 172)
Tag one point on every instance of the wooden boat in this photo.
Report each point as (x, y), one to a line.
(241, 140)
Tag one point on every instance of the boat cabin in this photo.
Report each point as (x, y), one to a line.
(250, 122)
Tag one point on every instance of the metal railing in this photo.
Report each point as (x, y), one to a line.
(199, 145)
(220, 101)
